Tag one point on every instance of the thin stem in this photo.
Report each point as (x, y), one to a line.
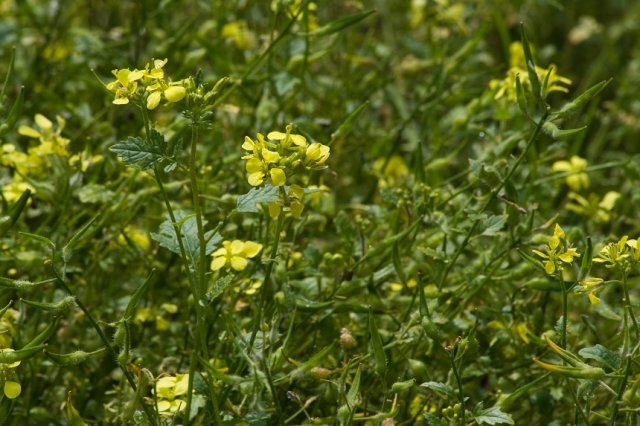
(459, 383)
(105, 341)
(492, 197)
(565, 311)
(267, 276)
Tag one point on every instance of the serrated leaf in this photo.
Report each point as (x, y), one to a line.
(136, 152)
(493, 224)
(441, 389)
(218, 288)
(188, 226)
(493, 416)
(248, 203)
(603, 355)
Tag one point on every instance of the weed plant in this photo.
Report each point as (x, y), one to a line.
(304, 212)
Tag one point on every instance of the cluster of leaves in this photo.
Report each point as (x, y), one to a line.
(405, 291)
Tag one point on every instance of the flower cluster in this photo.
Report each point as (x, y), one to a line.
(168, 389)
(37, 160)
(620, 255)
(277, 158)
(507, 87)
(557, 252)
(235, 254)
(152, 79)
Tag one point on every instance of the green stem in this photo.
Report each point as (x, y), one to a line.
(265, 285)
(565, 312)
(459, 383)
(494, 194)
(107, 344)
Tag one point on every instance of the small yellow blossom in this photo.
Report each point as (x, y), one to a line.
(591, 286)
(578, 179)
(391, 171)
(614, 254)
(316, 155)
(125, 85)
(168, 389)
(235, 254)
(557, 252)
(507, 87)
(592, 206)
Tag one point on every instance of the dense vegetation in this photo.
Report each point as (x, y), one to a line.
(305, 212)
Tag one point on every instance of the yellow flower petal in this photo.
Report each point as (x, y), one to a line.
(239, 263)
(251, 249)
(164, 405)
(43, 122)
(182, 384)
(175, 93)
(278, 177)
(274, 210)
(237, 247)
(12, 389)
(549, 267)
(256, 178)
(218, 263)
(28, 132)
(153, 100)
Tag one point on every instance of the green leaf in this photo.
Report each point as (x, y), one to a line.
(218, 288)
(493, 224)
(137, 153)
(587, 260)
(441, 389)
(94, 193)
(531, 66)
(315, 360)
(9, 75)
(352, 395)
(348, 123)
(7, 222)
(44, 335)
(339, 24)
(73, 416)
(492, 416)
(188, 227)
(131, 306)
(14, 114)
(575, 105)
(248, 203)
(376, 345)
(606, 357)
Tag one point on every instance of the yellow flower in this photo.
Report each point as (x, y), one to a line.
(599, 210)
(577, 180)
(316, 155)
(11, 388)
(168, 388)
(13, 190)
(507, 87)
(235, 254)
(557, 252)
(591, 286)
(125, 85)
(390, 171)
(614, 254)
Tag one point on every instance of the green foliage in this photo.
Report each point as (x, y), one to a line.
(295, 212)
